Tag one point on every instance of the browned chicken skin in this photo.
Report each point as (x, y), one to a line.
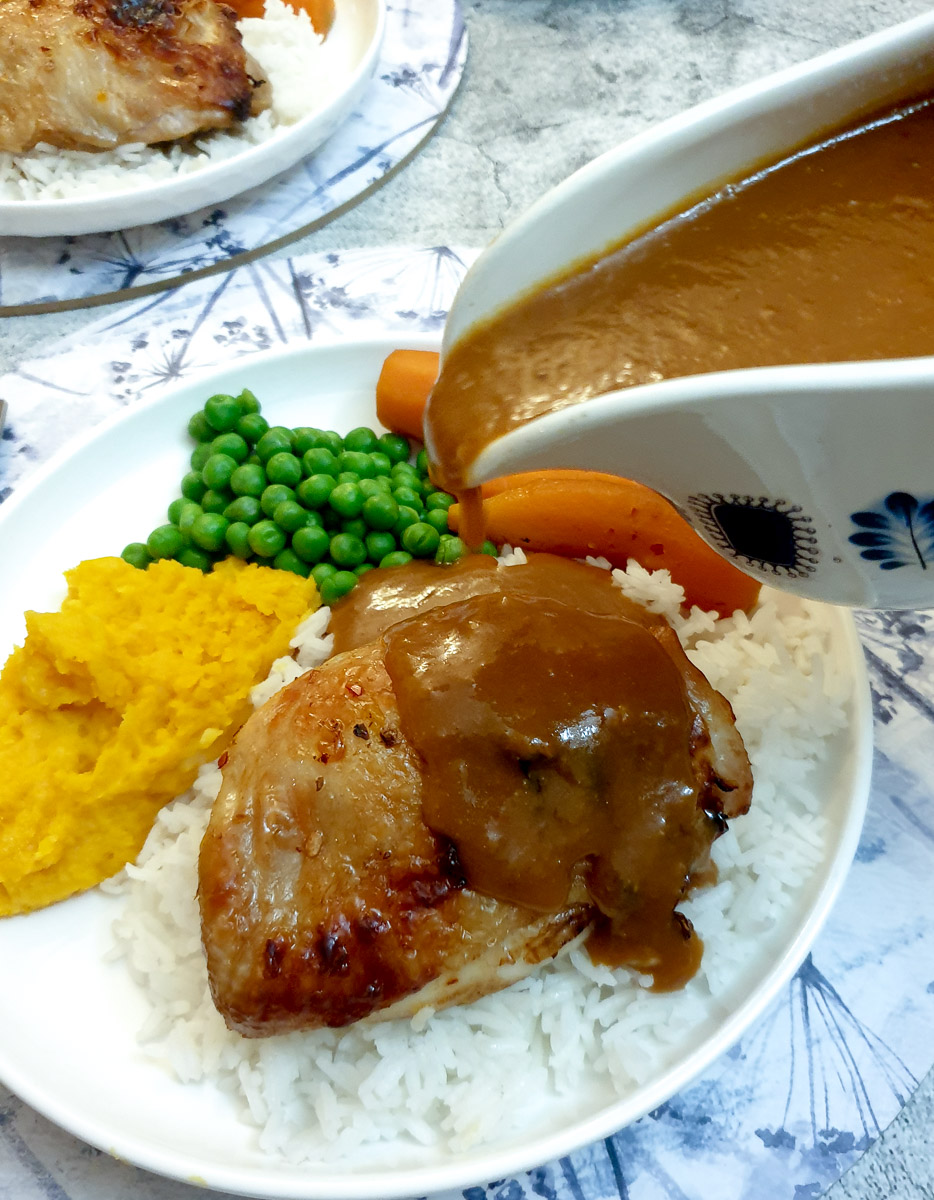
(94, 74)
(326, 897)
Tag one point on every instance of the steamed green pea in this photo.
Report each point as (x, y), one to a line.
(183, 512)
(289, 515)
(244, 508)
(200, 455)
(247, 402)
(450, 549)
(137, 555)
(276, 440)
(288, 560)
(332, 441)
(395, 447)
(347, 550)
(187, 517)
(321, 571)
(248, 480)
(319, 460)
(437, 518)
(421, 540)
(404, 467)
(304, 438)
(231, 444)
(165, 542)
(222, 412)
(408, 497)
(215, 502)
(380, 512)
(360, 464)
(199, 429)
(190, 557)
(284, 467)
(346, 499)
(337, 585)
(251, 427)
(315, 491)
(237, 537)
(208, 530)
(378, 545)
(217, 471)
(407, 516)
(273, 496)
(371, 487)
(311, 543)
(396, 558)
(356, 526)
(266, 539)
(361, 439)
(193, 486)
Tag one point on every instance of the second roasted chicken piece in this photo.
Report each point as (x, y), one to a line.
(95, 74)
(430, 814)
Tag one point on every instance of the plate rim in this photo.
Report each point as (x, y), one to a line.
(185, 194)
(319, 1181)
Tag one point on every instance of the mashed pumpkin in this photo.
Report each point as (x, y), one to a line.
(112, 704)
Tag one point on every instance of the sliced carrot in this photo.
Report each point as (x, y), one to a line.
(585, 513)
(402, 390)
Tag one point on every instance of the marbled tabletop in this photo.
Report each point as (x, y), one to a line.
(549, 85)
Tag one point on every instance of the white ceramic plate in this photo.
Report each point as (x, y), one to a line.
(351, 49)
(68, 1018)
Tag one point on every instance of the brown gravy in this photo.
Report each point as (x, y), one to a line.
(825, 256)
(554, 722)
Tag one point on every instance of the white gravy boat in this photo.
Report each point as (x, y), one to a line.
(816, 479)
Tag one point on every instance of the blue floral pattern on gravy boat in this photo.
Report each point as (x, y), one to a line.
(898, 532)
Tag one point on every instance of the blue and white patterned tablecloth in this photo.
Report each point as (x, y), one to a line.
(419, 69)
(813, 1082)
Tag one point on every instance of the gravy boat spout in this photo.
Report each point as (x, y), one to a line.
(815, 478)
(818, 480)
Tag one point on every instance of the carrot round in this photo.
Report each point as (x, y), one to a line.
(406, 378)
(581, 513)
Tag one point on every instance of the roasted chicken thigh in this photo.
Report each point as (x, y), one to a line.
(430, 814)
(94, 74)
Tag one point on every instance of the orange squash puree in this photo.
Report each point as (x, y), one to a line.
(112, 703)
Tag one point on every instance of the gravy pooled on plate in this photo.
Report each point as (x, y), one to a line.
(824, 256)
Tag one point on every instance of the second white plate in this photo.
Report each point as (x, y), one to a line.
(351, 51)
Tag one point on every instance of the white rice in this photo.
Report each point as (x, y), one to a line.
(288, 50)
(464, 1076)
